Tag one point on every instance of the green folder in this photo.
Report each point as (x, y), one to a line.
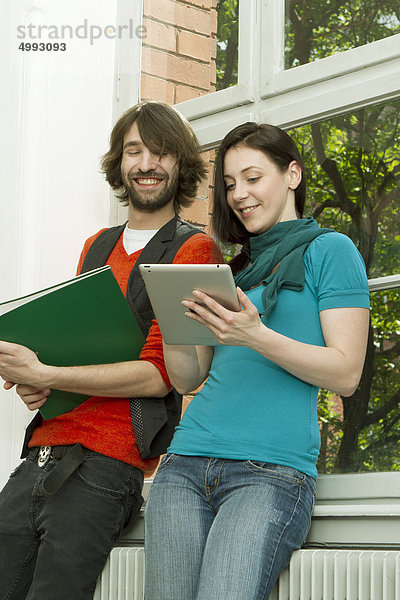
(83, 321)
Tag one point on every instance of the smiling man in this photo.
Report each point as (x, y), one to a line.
(81, 482)
(150, 185)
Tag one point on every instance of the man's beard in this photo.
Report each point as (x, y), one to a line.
(151, 201)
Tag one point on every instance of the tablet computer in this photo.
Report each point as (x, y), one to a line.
(167, 285)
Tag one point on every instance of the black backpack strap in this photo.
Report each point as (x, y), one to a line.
(101, 248)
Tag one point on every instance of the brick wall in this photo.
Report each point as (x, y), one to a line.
(178, 63)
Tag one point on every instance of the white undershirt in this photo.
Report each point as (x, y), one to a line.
(136, 239)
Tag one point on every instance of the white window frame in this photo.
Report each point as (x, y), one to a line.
(266, 92)
(245, 91)
(126, 93)
(276, 79)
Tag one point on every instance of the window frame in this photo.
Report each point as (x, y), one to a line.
(359, 510)
(276, 79)
(266, 92)
(127, 76)
(244, 92)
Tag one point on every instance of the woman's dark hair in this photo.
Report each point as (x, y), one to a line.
(162, 129)
(279, 147)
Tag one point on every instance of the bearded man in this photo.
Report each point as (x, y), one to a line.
(81, 481)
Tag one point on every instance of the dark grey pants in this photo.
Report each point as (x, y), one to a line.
(55, 546)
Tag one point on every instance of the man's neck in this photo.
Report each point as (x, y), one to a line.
(141, 219)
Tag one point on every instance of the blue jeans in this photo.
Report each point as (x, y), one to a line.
(222, 529)
(54, 547)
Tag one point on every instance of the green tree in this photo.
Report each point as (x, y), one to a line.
(353, 185)
(227, 43)
(319, 28)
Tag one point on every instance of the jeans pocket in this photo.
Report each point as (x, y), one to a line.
(287, 474)
(166, 461)
(107, 475)
(134, 505)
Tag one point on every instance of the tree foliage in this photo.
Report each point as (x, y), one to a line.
(353, 185)
(227, 43)
(316, 29)
(353, 180)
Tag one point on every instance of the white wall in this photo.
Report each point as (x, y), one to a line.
(56, 113)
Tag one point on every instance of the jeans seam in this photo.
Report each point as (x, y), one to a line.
(208, 488)
(135, 483)
(120, 523)
(283, 530)
(21, 571)
(37, 499)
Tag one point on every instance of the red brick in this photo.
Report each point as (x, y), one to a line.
(185, 92)
(203, 189)
(154, 88)
(210, 203)
(208, 228)
(197, 213)
(211, 176)
(175, 68)
(213, 45)
(209, 157)
(179, 14)
(194, 45)
(207, 4)
(213, 73)
(214, 22)
(160, 35)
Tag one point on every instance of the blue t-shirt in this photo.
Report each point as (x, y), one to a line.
(252, 409)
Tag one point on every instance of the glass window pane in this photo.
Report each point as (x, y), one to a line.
(362, 433)
(353, 175)
(227, 43)
(319, 28)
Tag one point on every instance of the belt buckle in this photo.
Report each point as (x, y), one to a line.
(44, 456)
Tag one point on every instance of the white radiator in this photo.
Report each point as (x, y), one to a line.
(123, 576)
(311, 575)
(340, 575)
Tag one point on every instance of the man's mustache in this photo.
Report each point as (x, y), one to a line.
(147, 174)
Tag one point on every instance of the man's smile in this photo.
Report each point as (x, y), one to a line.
(147, 181)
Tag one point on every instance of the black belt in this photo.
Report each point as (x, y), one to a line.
(70, 457)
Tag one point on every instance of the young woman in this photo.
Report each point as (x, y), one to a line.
(233, 497)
